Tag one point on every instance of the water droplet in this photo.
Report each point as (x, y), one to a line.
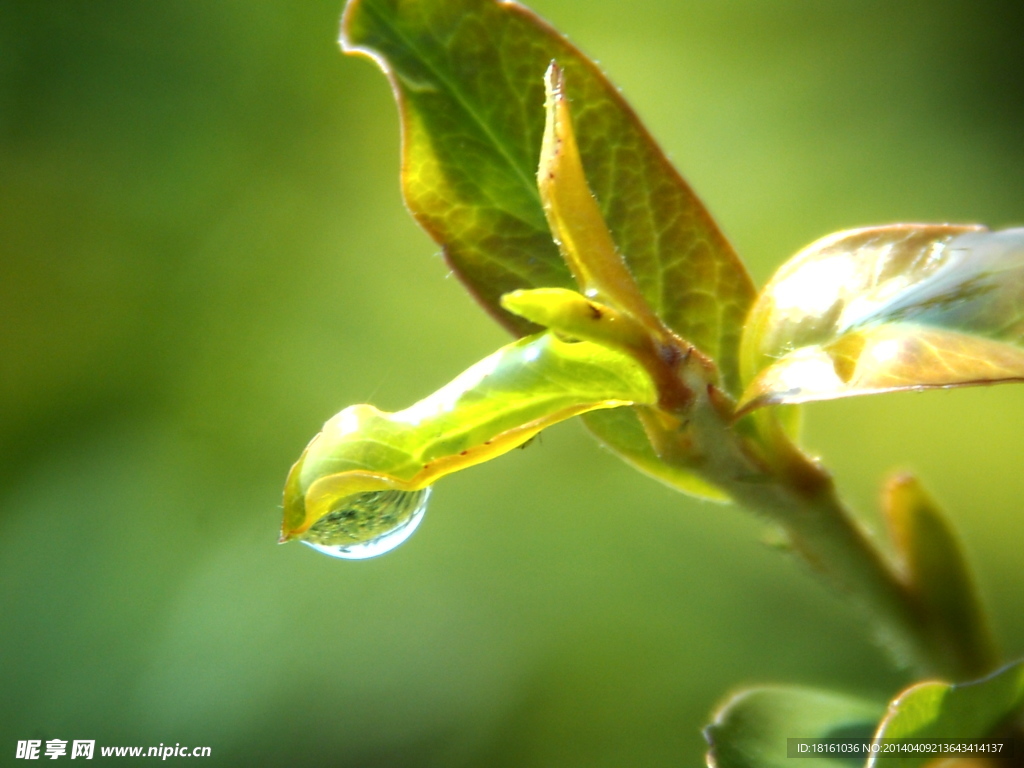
(368, 524)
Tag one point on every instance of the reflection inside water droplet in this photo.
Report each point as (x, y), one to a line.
(368, 524)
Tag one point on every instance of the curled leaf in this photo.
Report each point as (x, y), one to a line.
(494, 406)
(622, 430)
(902, 307)
(574, 315)
(575, 219)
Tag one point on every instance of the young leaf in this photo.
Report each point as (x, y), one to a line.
(494, 406)
(574, 217)
(943, 711)
(907, 306)
(936, 568)
(622, 430)
(573, 315)
(468, 76)
(751, 729)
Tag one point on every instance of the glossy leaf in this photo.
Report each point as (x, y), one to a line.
(751, 729)
(494, 406)
(935, 566)
(574, 315)
(891, 308)
(942, 711)
(469, 78)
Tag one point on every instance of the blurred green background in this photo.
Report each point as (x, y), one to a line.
(205, 255)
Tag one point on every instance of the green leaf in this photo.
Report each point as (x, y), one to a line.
(943, 711)
(572, 314)
(493, 407)
(469, 79)
(622, 428)
(935, 567)
(903, 307)
(751, 729)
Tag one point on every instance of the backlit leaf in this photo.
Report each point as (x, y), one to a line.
(891, 308)
(574, 315)
(469, 79)
(493, 407)
(752, 728)
(942, 711)
(574, 217)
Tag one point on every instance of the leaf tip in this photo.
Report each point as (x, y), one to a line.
(902, 483)
(554, 82)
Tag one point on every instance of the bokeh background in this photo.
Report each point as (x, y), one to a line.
(204, 255)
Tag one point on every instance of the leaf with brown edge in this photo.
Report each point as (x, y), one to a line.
(883, 309)
(469, 79)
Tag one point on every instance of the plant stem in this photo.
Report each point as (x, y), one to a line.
(823, 534)
(771, 477)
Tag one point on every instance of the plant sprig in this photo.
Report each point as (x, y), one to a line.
(571, 227)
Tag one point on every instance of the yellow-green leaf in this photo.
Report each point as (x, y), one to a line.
(935, 566)
(574, 315)
(494, 406)
(883, 309)
(576, 222)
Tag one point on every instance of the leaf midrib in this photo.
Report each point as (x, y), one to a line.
(463, 101)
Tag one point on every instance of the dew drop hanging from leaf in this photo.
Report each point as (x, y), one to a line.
(368, 524)
(360, 487)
